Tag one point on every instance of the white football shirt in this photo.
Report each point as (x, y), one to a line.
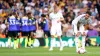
(55, 17)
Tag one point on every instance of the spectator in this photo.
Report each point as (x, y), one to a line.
(92, 32)
(68, 20)
(70, 32)
(94, 21)
(93, 13)
(98, 28)
(11, 3)
(41, 3)
(98, 6)
(98, 17)
(76, 10)
(3, 14)
(93, 10)
(64, 28)
(32, 3)
(85, 2)
(46, 4)
(71, 14)
(80, 4)
(37, 11)
(39, 33)
(19, 4)
(2, 28)
(28, 8)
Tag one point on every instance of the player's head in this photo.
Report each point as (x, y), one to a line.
(25, 14)
(91, 27)
(39, 27)
(29, 14)
(87, 15)
(56, 9)
(43, 16)
(13, 13)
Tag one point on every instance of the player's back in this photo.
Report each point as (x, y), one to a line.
(18, 24)
(12, 23)
(24, 22)
(46, 27)
(75, 21)
(32, 24)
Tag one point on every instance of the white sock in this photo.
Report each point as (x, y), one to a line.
(9, 41)
(83, 41)
(52, 43)
(76, 42)
(60, 42)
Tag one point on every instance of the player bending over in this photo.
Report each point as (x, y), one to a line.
(80, 27)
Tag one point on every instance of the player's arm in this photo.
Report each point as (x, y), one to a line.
(36, 25)
(89, 24)
(6, 22)
(50, 23)
(20, 23)
(61, 18)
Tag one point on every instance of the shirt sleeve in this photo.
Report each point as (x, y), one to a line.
(75, 21)
(90, 21)
(50, 16)
(61, 16)
(75, 29)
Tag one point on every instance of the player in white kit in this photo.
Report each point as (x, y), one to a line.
(80, 27)
(56, 17)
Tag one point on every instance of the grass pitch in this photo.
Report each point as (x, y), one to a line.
(40, 51)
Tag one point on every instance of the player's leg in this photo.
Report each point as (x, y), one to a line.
(29, 39)
(32, 36)
(9, 42)
(25, 35)
(77, 41)
(9, 39)
(77, 35)
(59, 33)
(84, 33)
(21, 38)
(52, 42)
(15, 39)
(18, 39)
(46, 35)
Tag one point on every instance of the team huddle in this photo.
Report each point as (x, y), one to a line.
(28, 26)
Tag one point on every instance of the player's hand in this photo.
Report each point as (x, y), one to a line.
(58, 21)
(78, 33)
(86, 27)
(84, 34)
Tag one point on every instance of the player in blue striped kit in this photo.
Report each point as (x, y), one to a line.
(12, 29)
(25, 28)
(45, 26)
(33, 25)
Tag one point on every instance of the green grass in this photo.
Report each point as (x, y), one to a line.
(40, 51)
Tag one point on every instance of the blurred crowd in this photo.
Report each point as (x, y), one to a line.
(69, 8)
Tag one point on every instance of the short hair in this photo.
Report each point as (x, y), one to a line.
(88, 13)
(14, 13)
(43, 15)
